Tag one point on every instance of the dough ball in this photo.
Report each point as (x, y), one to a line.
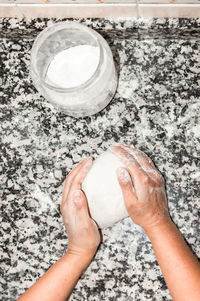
(103, 191)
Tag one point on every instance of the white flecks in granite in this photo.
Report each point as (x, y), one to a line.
(156, 108)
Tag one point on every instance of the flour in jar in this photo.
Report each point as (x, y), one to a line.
(73, 66)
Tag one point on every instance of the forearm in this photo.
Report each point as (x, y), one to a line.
(58, 282)
(179, 266)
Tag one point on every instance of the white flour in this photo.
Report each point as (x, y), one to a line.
(73, 66)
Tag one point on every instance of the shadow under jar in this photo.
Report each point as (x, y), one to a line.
(90, 96)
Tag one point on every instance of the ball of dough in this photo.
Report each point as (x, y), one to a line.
(103, 192)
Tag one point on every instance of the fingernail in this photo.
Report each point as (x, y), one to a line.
(77, 196)
(116, 144)
(123, 175)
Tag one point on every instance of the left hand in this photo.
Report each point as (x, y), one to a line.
(82, 231)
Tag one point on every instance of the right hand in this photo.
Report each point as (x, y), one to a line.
(143, 188)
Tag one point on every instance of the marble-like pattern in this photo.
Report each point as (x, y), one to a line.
(156, 108)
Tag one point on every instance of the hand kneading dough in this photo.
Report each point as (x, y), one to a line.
(103, 191)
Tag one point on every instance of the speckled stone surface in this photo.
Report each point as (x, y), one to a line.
(110, 28)
(156, 108)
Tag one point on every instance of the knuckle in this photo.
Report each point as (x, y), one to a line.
(86, 227)
(129, 207)
(146, 179)
(123, 176)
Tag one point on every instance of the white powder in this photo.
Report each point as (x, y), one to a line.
(73, 66)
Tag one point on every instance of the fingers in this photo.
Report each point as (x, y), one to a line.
(81, 205)
(124, 156)
(79, 177)
(125, 183)
(146, 164)
(70, 178)
(140, 156)
(134, 168)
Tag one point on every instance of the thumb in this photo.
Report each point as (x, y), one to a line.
(80, 202)
(127, 188)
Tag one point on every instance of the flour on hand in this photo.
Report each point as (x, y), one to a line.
(103, 192)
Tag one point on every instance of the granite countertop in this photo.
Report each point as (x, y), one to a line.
(156, 108)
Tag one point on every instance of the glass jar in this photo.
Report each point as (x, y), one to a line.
(87, 98)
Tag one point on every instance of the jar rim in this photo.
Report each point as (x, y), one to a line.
(63, 25)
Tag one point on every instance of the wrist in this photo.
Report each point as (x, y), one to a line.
(160, 227)
(77, 263)
(83, 256)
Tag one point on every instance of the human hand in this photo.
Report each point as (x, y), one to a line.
(82, 231)
(143, 188)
